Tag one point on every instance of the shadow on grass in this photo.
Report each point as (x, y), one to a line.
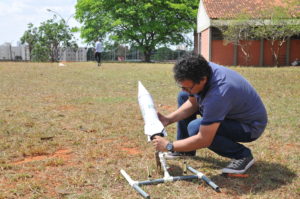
(263, 176)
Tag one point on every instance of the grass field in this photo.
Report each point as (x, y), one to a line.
(65, 132)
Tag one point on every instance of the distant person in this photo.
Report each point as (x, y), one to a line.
(231, 110)
(98, 51)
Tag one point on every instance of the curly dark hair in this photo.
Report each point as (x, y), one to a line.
(191, 67)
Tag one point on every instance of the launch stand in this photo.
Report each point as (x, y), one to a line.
(154, 127)
(167, 177)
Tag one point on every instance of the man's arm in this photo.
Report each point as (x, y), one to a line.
(184, 111)
(203, 139)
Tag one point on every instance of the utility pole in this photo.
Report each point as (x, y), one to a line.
(10, 53)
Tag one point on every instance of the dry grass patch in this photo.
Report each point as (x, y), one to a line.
(65, 132)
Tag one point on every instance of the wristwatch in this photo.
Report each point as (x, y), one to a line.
(170, 147)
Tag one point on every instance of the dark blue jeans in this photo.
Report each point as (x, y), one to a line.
(98, 57)
(225, 142)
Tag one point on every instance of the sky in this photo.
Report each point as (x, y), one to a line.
(15, 15)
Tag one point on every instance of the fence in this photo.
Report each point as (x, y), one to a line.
(137, 55)
(21, 53)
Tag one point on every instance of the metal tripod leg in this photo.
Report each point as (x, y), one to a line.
(134, 184)
(204, 178)
(167, 177)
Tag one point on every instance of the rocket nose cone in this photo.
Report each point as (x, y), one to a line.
(139, 86)
(141, 89)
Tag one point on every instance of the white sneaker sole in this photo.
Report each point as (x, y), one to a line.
(226, 170)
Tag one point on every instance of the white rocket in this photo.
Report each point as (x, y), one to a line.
(153, 125)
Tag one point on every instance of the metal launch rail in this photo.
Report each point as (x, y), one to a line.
(167, 178)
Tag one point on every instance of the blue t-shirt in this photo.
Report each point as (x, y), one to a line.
(228, 95)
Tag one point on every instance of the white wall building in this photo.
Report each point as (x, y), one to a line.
(5, 52)
(8, 52)
(21, 53)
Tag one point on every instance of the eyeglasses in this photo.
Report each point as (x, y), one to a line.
(188, 89)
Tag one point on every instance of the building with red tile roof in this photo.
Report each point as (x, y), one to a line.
(210, 44)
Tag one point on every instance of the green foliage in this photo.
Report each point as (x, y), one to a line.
(277, 25)
(48, 40)
(166, 53)
(55, 36)
(238, 30)
(141, 23)
(163, 53)
(30, 37)
(40, 53)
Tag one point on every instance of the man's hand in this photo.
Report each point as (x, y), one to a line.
(164, 119)
(160, 143)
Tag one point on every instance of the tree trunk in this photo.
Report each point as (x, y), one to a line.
(246, 54)
(274, 53)
(196, 49)
(30, 50)
(147, 55)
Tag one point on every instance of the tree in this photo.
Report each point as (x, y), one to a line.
(30, 37)
(40, 53)
(277, 25)
(164, 53)
(47, 40)
(239, 32)
(55, 36)
(142, 23)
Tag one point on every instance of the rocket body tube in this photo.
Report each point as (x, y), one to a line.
(153, 125)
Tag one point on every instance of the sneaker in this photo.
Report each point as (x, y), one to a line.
(178, 155)
(239, 166)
